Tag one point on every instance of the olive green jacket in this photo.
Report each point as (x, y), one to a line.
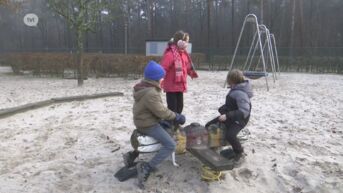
(148, 108)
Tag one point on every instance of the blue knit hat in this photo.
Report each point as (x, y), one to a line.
(153, 71)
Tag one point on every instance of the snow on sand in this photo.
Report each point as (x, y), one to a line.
(295, 145)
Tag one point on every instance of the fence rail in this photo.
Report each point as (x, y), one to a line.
(56, 61)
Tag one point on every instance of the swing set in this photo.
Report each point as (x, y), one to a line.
(264, 42)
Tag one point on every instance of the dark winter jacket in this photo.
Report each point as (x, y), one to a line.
(237, 105)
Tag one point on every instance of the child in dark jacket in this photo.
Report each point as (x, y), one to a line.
(235, 113)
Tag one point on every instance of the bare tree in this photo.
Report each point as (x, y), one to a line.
(291, 45)
(211, 23)
(5, 2)
(233, 24)
(209, 13)
(12, 5)
(81, 16)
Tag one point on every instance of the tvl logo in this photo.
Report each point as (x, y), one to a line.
(31, 19)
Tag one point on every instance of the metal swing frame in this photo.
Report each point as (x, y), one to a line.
(261, 39)
(269, 51)
(268, 55)
(272, 37)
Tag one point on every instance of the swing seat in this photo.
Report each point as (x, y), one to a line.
(254, 74)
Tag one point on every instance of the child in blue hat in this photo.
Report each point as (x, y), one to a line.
(148, 111)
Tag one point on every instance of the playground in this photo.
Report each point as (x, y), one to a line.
(81, 83)
(294, 143)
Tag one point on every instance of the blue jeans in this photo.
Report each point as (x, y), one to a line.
(167, 142)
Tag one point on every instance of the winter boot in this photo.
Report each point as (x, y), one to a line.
(143, 171)
(129, 158)
(228, 153)
(237, 158)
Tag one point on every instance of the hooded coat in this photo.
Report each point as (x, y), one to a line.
(237, 105)
(148, 109)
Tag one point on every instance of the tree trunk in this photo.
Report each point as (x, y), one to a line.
(128, 31)
(216, 8)
(79, 57)
(202, 23)
(209, 4)
(301, 24)
(292, 30)
(261, 12)
(233, 26)
(311, 25)
(100, 34)
(149, 14)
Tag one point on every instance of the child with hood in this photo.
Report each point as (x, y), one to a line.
(148, 111)
(235, 113)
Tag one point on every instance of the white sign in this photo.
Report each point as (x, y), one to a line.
(156, 48)
(31, 19)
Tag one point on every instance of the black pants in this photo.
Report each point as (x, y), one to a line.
(232, 131)
(175, 101)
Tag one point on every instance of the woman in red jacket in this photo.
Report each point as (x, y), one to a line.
(178, 64)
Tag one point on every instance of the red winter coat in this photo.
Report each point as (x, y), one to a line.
(169, 84)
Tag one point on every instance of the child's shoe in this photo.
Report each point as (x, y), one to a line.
(239, 159)
(143, 171)
(228, 153)
(129, 158)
